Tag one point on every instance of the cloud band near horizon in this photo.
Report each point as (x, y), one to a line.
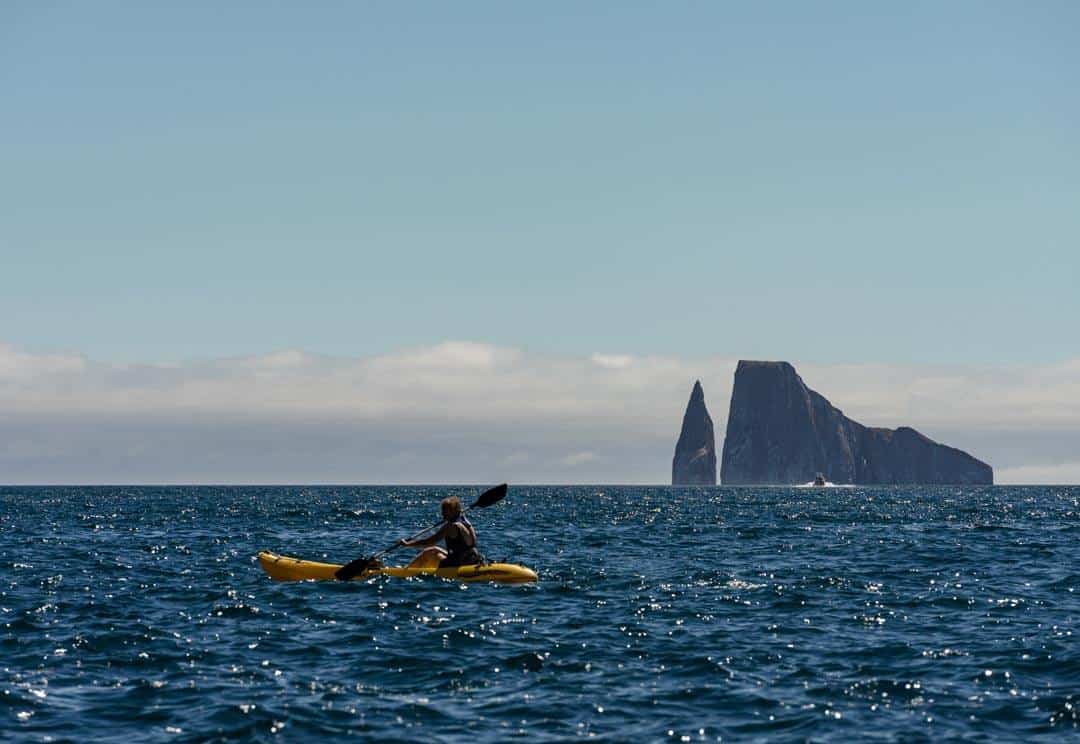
(468, 412)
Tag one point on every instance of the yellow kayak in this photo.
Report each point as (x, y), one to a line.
(284, 568)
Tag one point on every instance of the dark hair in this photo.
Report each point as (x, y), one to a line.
(451, 503)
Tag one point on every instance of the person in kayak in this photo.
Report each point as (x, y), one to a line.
(460, 538)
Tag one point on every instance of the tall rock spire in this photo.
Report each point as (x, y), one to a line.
(695, 453)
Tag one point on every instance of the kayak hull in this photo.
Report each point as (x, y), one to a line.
(285, 568)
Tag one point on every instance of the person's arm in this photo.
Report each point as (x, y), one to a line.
(426, 542)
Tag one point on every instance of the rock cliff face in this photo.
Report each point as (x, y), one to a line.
(695, 452)
(780, 431)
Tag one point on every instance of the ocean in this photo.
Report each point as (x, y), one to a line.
(661, 614)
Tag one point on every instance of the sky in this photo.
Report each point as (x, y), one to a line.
(385, 242)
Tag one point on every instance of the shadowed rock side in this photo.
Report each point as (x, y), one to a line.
(780, 431)
(695, 452)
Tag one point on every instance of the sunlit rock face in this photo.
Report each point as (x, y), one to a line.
(695, 453)
(779, 431)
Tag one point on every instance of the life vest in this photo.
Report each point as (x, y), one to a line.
(462, 539)
(461, 548)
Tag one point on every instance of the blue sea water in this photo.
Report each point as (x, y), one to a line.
(135, 613)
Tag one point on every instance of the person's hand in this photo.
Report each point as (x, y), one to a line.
(403, 542)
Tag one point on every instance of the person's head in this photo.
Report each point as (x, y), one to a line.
(451, 507)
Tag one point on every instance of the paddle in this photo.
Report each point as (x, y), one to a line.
(357, 567)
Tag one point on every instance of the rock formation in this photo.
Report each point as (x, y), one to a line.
(780, 431)
(695, 453)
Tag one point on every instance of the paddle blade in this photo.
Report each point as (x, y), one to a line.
(352, 569)
(490, 496)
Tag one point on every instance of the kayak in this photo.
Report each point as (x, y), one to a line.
(284, 568)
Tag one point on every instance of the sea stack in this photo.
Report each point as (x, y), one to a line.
(779, 431)
(695, 452)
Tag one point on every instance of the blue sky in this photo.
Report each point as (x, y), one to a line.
(835, 184)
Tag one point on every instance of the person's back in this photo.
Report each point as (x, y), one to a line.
(461, 541)
(459, 536)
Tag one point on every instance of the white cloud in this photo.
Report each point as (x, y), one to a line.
(579, 458)
(612, 361)
(435, 413)
(450, 355)
(278, 360)
(972, 396)
(1061, 474)
(18, 365)
(515, 458)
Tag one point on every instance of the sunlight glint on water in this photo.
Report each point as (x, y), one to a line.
(687, 614)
